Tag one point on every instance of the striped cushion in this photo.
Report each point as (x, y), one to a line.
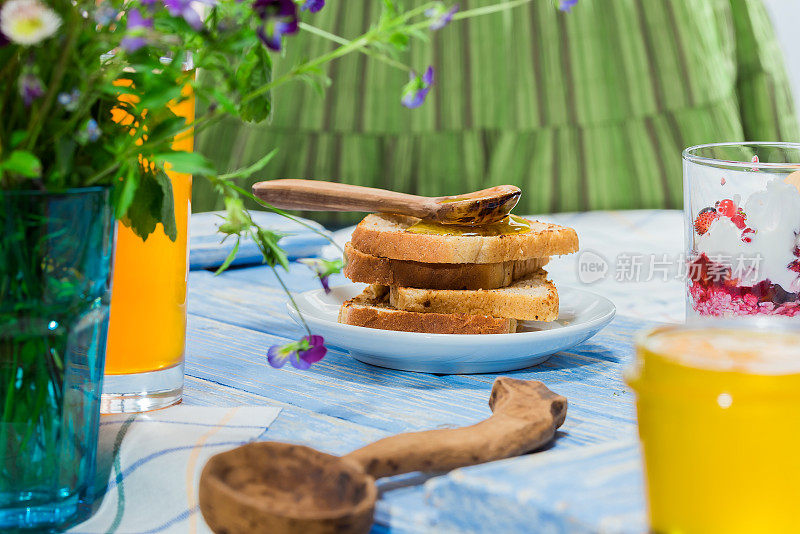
(583, 110)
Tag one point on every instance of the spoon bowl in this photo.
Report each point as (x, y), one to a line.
(480, 207)
(278, 487)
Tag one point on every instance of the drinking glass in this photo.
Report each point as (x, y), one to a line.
(718, 407)
(55, 272)
(742, 211)
(147, 331)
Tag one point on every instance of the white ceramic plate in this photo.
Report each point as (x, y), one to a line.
(581, 316)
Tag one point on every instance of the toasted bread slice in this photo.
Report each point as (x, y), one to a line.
(371, 309)
(370, 269)
(531, 299)
(386, 236)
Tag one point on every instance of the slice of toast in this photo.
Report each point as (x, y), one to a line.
(371, 309)
(386, 236)
(530, 299)
(370, 269)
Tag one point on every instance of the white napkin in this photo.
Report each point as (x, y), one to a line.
(155, 461)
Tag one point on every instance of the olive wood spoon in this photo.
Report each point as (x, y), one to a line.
(279, 488)
(480, 207)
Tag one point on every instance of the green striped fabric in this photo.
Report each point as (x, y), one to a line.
(582, 110)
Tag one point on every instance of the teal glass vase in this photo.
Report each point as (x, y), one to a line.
(55, 266)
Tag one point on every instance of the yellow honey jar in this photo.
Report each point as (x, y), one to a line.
(719, 420)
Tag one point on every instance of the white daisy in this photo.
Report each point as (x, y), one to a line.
(28, 22)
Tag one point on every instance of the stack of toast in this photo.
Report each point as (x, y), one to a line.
(452, 280)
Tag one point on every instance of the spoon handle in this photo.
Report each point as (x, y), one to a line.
(526, 416)
(315, 195)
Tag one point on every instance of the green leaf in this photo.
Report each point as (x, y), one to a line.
(160, 96)
(17, 137)
(255, 71)
(125, 193)
(267, 242)
(229, 259)
(247, 171)
(188, 162)
(153, 203)
(167, 206)
(24, 163)
(168, 128)
(399, 41)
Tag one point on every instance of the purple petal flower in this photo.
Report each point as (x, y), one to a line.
(417, 89)
(306, 358)
(278, 17)
(428, 76)
(567, 5)
(184, 9)
(323, 269)
(278, 355)
(313, 5)
(132, 44)
(136, 21)
(301, 354)
(441, 16)
(30, 88)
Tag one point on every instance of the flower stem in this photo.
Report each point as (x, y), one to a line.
(291, 298)
(342, 41)
(55, 81)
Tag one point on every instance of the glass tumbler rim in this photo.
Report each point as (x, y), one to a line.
(691, 154)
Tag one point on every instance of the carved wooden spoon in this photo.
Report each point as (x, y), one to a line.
(279, 488)
(480, 207)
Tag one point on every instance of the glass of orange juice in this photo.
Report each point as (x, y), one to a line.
(147, 329)
(718, 406)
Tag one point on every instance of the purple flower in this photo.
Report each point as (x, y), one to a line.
(323, 269)
(301, 354)
(417, 88)
(313, 5)
(137, 26)
(183, 9)
(566, 5)
(278, 17)
(441, 15)
(30, 88)
(137, 22)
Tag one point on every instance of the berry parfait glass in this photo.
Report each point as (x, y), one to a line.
(742, 210)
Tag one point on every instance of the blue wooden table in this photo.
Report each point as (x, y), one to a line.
(588, 480)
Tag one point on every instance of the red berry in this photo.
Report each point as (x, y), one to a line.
(727, 208)
(704, 220)
(739, 221)
(746, 237)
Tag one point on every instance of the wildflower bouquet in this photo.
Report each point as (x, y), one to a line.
(65, 65)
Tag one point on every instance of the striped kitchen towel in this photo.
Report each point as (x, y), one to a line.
(154, 461)
(207, 249)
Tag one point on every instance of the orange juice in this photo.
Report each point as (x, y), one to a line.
(719, 422)
(147, 328)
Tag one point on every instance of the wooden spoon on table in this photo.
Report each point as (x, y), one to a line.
(480, 207)
(278, 488)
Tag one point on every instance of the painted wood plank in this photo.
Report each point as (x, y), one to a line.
(598, 488)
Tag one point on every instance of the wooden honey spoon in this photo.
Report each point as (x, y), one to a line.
(480, 207)
(279, 488)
